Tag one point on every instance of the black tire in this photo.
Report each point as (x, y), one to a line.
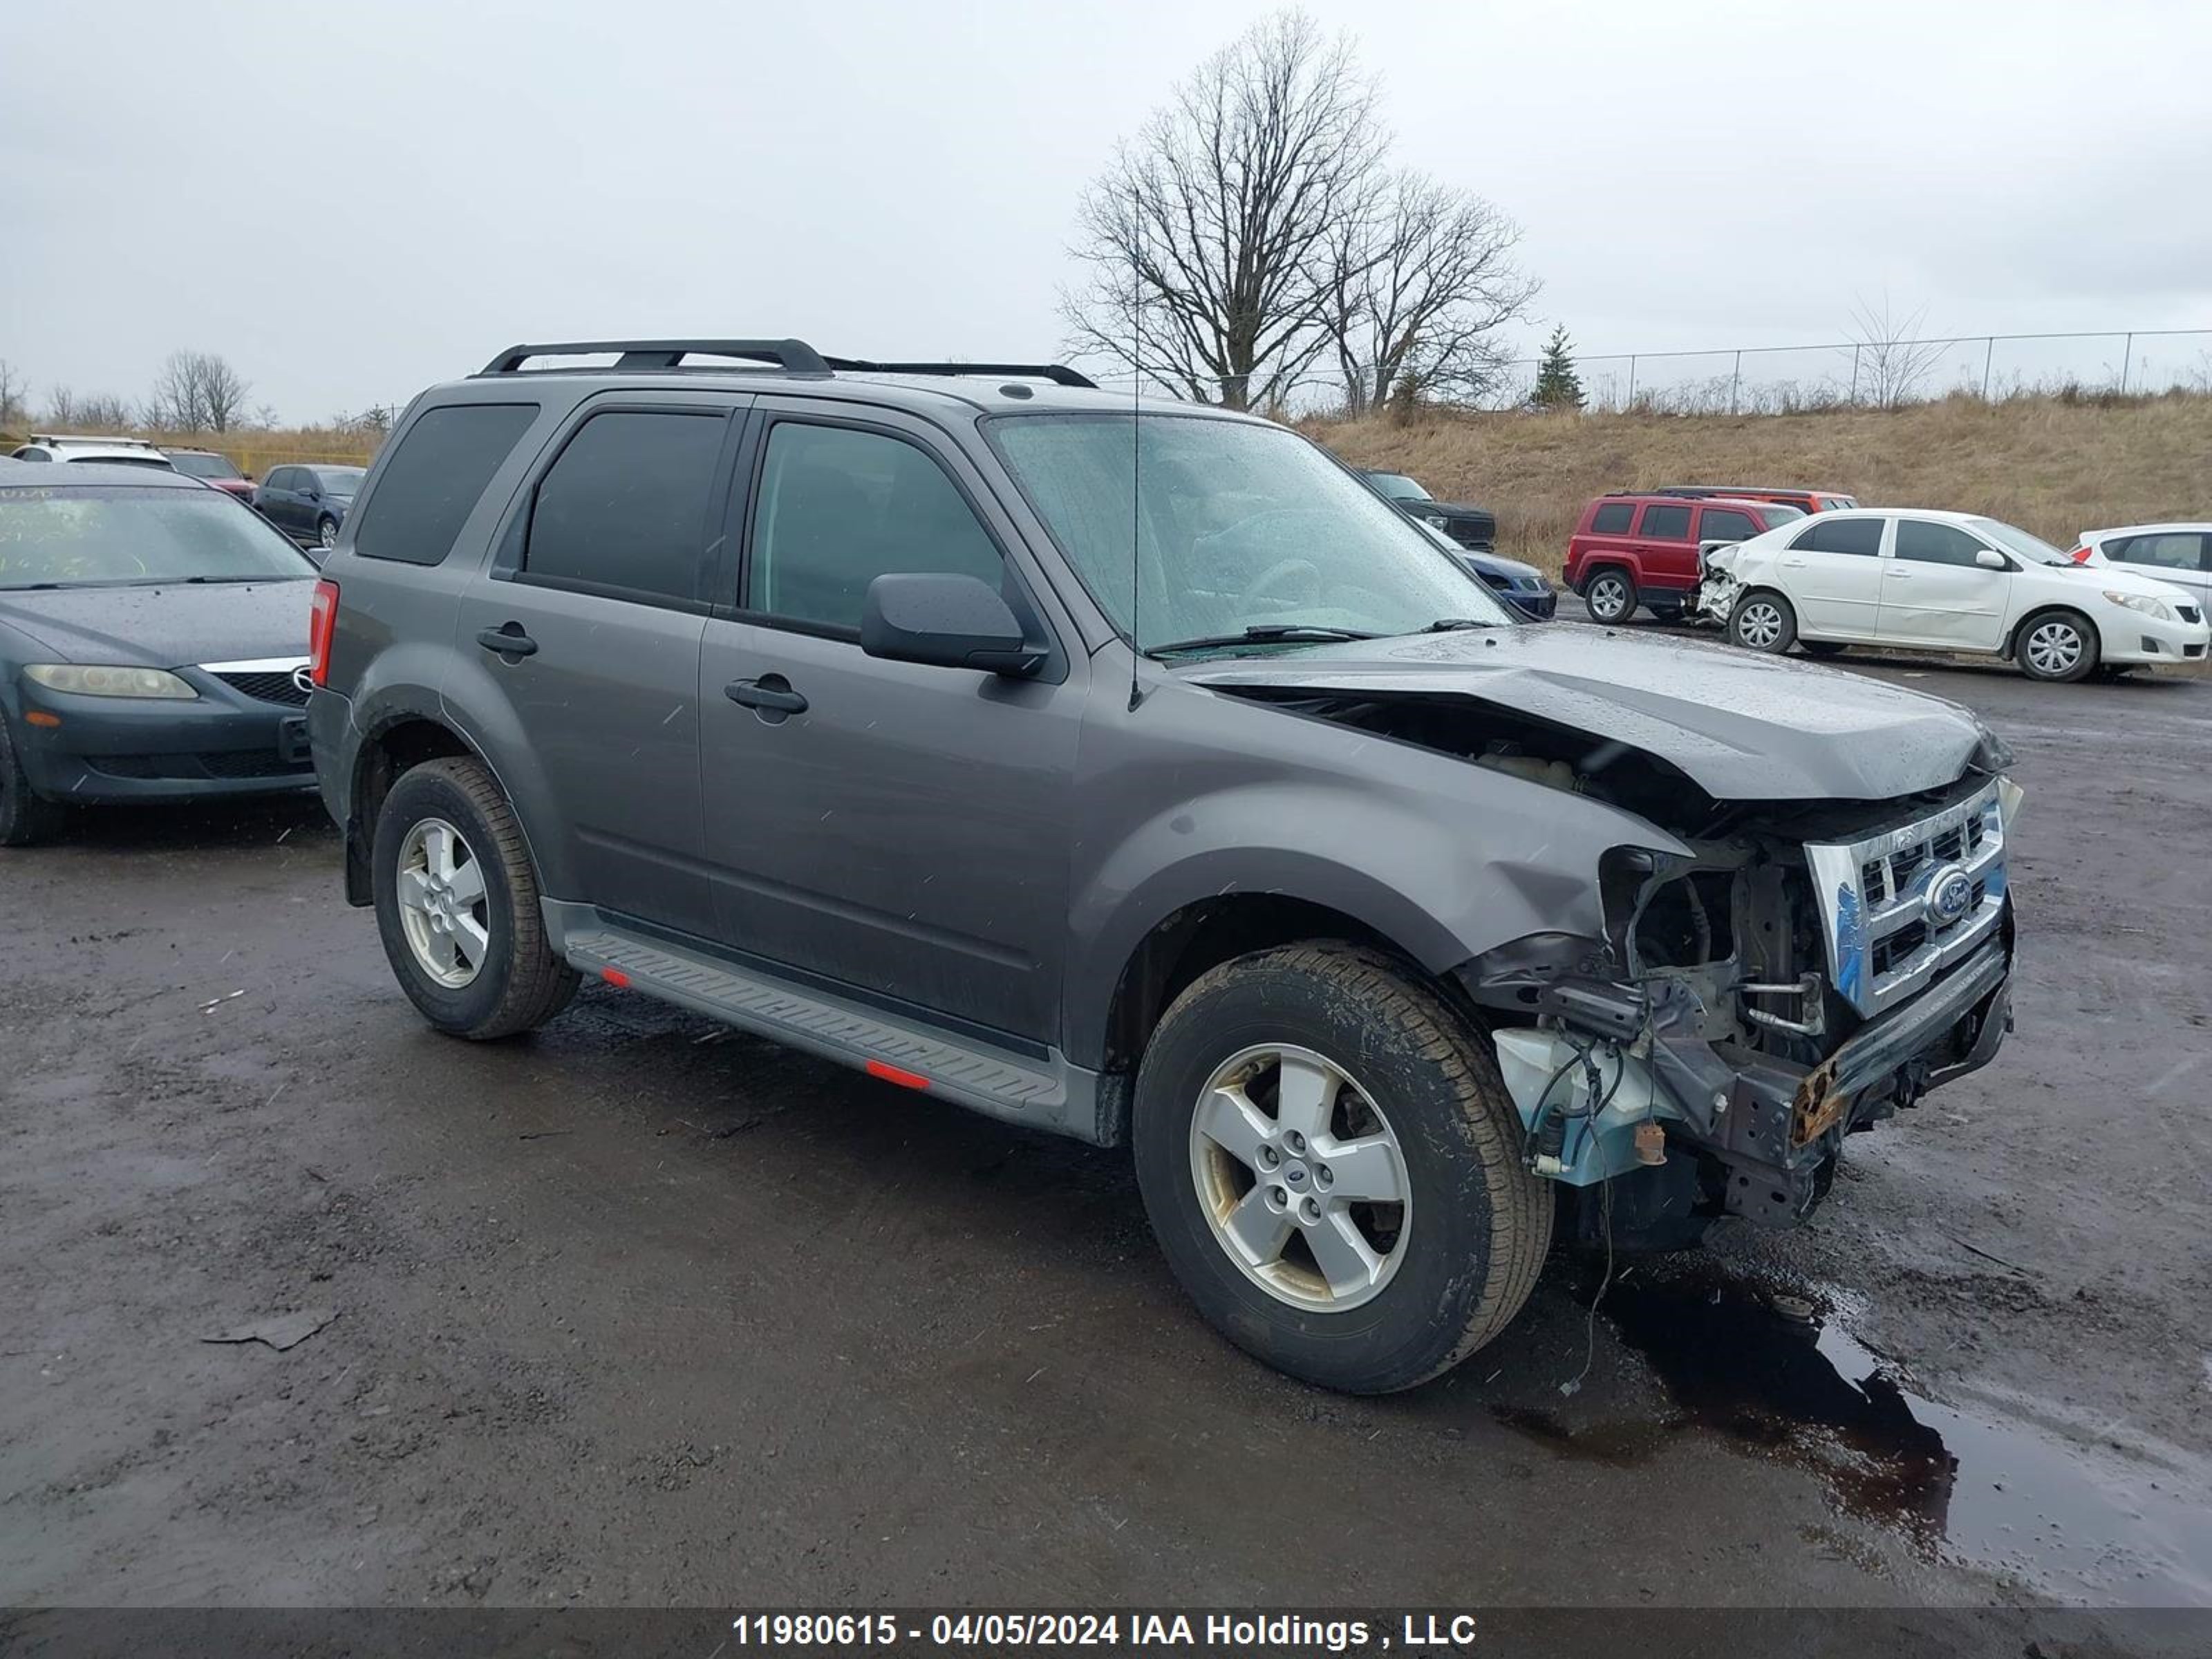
(26, 818)
(2028, 647)
(1478, 1223)
(1609, 594)
(519, 984)
(326, 533)
(1823, 647)
(1763, 620)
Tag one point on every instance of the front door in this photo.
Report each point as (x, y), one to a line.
(893, 829)
(1832, 572)
(1935, 590)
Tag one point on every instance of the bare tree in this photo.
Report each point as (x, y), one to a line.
(79, 411)
(1205, 238)
(196, 391)
(1889, 361)
(14, 394)
(1417, 287)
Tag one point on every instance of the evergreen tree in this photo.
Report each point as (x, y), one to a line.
(1557, 386)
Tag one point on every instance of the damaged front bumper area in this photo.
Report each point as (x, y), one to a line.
(1755, 1007)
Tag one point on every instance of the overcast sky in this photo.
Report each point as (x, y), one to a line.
(351, 202)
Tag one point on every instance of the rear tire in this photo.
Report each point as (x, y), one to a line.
(1409, 1100)
(26, 818)
(1763, 621)
(2057, 647)
(1610, 595)
(457, 904)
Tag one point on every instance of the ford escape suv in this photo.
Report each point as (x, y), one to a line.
(1141, 775)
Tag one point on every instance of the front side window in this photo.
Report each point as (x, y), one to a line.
(1860, 537)
(1233, 526)
(2167, 551)
(431, 483)
(1667, 524)
(1725, 523)
(624, 508)
(1612, 518)
(838, 507)
(1925, 542)
(116, 535)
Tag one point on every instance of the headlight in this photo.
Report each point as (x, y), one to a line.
(2144, 603)
(90, 681)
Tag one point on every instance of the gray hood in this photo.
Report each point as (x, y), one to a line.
(166, 626)
(1743, 726)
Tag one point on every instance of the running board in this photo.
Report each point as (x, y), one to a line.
(1045, 1094)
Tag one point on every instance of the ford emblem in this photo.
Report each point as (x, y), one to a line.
(1950, 894)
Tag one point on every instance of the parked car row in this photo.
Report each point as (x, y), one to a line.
(307, 502)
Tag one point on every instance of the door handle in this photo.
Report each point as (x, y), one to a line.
(770, 691)
(1792, 564)
(1900, 576)
(508, 640)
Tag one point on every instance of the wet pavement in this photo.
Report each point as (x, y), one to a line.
(639, 1311)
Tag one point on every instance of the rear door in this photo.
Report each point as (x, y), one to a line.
(585, 631)
(1935, 592)
(898, 830)
(1831, 572)
(2183, 557)
(1667, 548)
(277, 500)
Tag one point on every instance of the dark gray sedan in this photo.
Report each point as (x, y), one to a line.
(150, 633)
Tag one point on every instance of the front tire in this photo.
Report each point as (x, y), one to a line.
(326, 534)
(26, 818)
(1763, 621)
(1610, 596)
(1823, 647)
(2057, 647)
(1334, 1170)
(457, 904)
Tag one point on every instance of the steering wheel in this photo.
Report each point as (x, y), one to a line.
(1281, 571)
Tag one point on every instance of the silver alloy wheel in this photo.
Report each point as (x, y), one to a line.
(443, 908)
(2055, 647)
(1301, 1178)
(1760, 624)
(1608, 598)
(327, 533)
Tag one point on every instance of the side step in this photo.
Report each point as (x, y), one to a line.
(1046, 1094)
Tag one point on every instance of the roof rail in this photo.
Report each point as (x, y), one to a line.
(1058, 373)
(59, 439)
(792, 357)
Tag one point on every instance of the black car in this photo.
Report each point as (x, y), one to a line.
(1472, 528)
(308, 503)
(149, 637)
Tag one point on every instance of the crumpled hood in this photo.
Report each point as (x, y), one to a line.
(167, 626)
(1743, 726)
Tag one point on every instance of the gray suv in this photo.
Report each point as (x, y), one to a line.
(1143, 777)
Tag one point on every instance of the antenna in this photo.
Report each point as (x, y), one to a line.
(1136, 447)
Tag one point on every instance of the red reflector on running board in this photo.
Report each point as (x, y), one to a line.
(892, 1074)
(616, 977)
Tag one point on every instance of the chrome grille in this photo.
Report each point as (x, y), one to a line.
(1888, 932)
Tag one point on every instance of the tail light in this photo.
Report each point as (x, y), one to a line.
(2080, 556)
(322, 623)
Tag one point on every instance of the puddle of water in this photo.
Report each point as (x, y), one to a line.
(1966, 1483)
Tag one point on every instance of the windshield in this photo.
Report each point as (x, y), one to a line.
(98, 536)
(2014, 539)
(1237, 525)
(338, 480)
(1398, 487)
(1776, 513)
(203, 467)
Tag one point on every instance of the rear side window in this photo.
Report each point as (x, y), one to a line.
(836, 509)
(1667, 524)
(624, 509)
(431, 483)
(1926, 543)
(1612, 518)
(1826, 535)
(2169, 550)
(1725, 523)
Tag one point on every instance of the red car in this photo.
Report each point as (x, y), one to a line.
(1630, 550)
(210, 468)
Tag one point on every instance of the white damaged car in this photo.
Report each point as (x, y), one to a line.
(1944, 581)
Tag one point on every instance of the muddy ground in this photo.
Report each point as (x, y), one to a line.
(642, 1311)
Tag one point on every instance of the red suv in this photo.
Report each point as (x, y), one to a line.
(1630, 550)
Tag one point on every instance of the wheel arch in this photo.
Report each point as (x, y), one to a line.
(398, 743)
(2054, 607)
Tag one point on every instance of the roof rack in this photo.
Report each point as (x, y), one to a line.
(1058, 373)
(63, 438)
(792, 357)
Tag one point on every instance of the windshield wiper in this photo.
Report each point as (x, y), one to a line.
(1452, 624)
(1263, 634)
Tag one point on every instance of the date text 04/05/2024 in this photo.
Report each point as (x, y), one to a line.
(1276, 1632)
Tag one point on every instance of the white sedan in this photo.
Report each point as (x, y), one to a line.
(1946, 581)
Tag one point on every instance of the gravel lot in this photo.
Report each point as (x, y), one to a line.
(640, 1311)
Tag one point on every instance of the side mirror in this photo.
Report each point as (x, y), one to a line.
(1990, 559)
(948, 621)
